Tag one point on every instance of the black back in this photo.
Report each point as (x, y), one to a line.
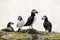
(47, 25)
(30, 20)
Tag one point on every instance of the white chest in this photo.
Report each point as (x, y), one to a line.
(20, 23)
(34, 19)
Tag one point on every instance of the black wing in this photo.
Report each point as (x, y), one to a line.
(29, 21)
(47, 25)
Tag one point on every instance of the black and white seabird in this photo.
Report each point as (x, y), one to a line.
(47, 25)
(31, 19)
(20, 23)
(9, 25)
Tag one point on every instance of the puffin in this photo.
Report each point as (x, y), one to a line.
(9, 25)
(20, 23)
(31, 19)
(47, 24)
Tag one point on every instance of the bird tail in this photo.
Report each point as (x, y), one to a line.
(25, 25)
(49, 30)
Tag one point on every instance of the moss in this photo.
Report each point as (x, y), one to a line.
(7, 29)
(35, 37)
(55, 35)
(27, 39)
(31, 31)
(2, 38)
(31, 34)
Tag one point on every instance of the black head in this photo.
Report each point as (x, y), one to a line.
(44, 17)
(9, 24)
(19, 18)
(34, 11)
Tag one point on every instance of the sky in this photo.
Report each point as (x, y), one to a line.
(11, 9)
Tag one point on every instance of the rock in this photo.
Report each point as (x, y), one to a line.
(35, 37)
(32, 31)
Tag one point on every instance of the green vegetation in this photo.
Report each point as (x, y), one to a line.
(29, 34)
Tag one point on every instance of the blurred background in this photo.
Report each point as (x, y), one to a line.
(11, 9)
